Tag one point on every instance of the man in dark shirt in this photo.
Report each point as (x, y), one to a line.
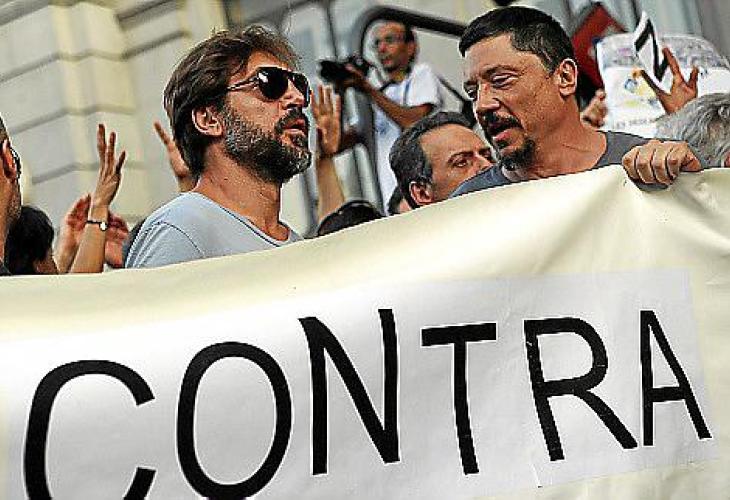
(521, 75)
(9, 191)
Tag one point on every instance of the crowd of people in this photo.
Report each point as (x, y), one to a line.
(236, 107)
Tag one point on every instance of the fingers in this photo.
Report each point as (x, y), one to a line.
(662, 170)
(659, 92)
(693, 76)
(120, 163)
(673, 64)
(101, 141)
(687, 159)
(643, 163)
(600, 94)
(162, 134)
(660, 162)
(629, 163)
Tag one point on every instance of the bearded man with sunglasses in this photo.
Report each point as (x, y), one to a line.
(236, 111)
(9, 191)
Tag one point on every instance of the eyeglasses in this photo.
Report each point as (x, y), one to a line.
(388, 40)
(273, 82)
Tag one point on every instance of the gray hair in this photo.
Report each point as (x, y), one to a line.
(704, 124)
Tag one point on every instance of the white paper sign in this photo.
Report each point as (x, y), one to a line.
(633, 106)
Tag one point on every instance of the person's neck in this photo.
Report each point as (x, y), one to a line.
(398, 75)
(238, 189)
(570, 148)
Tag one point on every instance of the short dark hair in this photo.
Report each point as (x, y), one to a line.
(201, 78)
(395, 198)
(407, 158)
(409, 34)
(530, 30)
(350, 214)
(29, 240)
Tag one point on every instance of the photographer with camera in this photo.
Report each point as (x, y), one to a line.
(412, 91)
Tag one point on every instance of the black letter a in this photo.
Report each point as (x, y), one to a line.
(650, 394)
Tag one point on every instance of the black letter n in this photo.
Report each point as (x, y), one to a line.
(385, 436)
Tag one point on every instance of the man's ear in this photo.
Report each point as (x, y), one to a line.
(421, 192)
(9, 168)
(411, 49)
(566, 77)
(207, 120)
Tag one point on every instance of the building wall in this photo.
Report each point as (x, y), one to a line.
(67, 65)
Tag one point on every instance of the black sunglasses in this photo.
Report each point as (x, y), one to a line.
(273, 82)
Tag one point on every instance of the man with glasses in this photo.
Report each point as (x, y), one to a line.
(411, 92)
(235, 106)
(9, 191)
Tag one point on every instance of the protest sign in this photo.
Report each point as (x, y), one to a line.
(633, 106)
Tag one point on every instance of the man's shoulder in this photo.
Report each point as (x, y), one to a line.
(490, 178)
(187, 209)
(617, 145)
(422, 71)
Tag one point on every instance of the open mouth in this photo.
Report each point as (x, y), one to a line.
(498, 130)
(298, 126)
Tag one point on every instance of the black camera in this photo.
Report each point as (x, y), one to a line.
(336, 72)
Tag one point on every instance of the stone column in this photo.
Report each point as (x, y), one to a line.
(68, 65)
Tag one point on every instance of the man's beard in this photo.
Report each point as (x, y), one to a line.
(520, 158)
(265, 153)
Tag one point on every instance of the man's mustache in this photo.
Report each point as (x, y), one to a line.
(492, 121)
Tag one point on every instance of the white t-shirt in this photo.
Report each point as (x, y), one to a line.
(420, 87)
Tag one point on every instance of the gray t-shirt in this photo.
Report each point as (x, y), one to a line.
(192, 227)
(617, 145)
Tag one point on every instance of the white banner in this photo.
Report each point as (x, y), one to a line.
(564, 338)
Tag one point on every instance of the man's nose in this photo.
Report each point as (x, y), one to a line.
(485, 103)
(293, 97)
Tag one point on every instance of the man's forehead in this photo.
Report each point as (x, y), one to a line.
(494, 53)
(390, 27)
(260, 59)
(449, 138)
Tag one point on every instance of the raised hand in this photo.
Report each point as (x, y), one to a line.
(178, 166)
(595, 113)
(681, 92)
(110, 170)
(327, 109)
(71, 231)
